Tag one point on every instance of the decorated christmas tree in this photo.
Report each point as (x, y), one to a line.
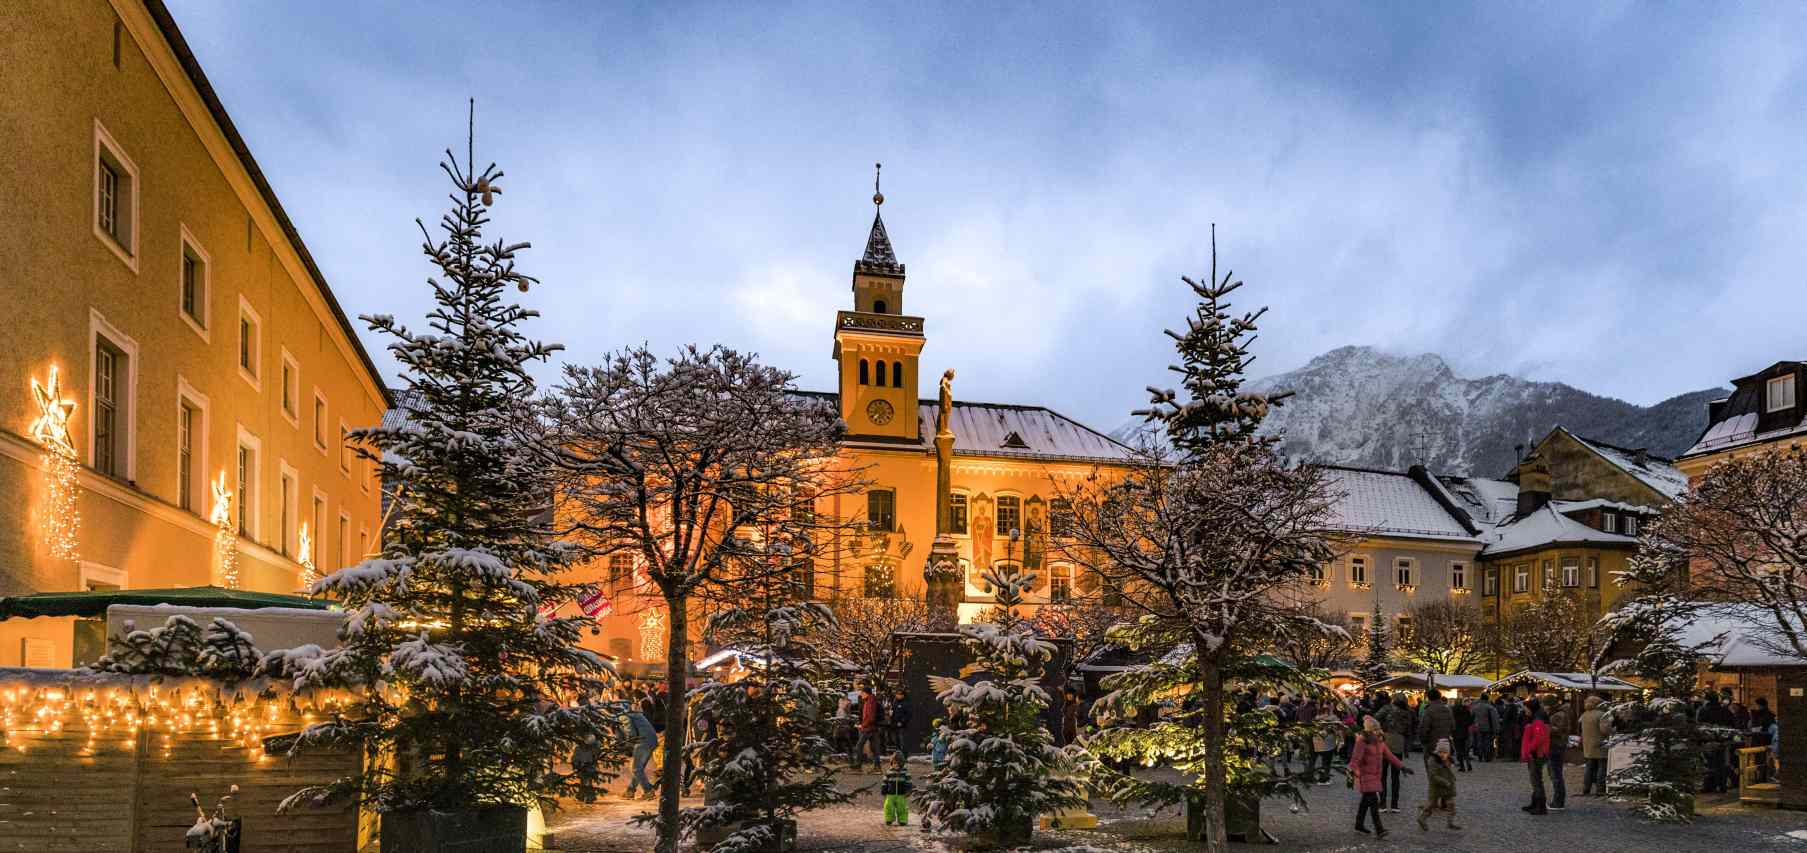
(1002, 768)
(1377, 664)
(764, 754)
(473, 698)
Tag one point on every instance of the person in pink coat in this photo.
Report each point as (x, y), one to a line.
(1365, 765)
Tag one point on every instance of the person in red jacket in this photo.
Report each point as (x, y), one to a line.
(868, 728)
(1534, 750)
(1365, 764)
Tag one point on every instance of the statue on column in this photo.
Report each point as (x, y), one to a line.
(944, 581)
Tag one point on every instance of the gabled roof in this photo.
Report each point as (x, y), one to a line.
(1391, 503)
(1544, 527)
(1488, 501)
(1004, 430)
(879, 258)
(1654, 471)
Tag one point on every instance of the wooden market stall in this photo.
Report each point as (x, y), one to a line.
(1450, 685)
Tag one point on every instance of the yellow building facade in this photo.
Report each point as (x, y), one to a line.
(152, 271)
(1008, 467)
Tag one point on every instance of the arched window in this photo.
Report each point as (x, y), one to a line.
(878, 306)
(865, 379)
(897, 374)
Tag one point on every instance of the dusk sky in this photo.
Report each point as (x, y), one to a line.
(1609, 195)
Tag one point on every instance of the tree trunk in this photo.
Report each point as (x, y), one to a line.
(677, 678)
(1215, 838)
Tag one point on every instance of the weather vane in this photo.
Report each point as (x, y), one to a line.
(878, 198)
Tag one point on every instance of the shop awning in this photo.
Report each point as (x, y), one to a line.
(96, 602)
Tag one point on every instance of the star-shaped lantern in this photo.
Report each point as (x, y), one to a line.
(51, 429)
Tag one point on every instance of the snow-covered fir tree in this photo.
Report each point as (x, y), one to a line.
(1377, 663)
(181, 647)
(1002, 768)
(1204, 537)
(764, 754)
(478, 697)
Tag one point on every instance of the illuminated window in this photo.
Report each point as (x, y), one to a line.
(621, 568)
(1405, 572)
(1358, 571)
(1458, 576)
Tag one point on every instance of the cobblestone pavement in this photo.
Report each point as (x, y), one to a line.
(1489, 801)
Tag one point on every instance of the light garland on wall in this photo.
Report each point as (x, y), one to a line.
(304, 554)
(225, 539)
(205, 712)
(652, 635)
(61, 518)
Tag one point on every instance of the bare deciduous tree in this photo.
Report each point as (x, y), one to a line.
(1447, 636)
(1335, 646)
(866, 632)
(1553, 633)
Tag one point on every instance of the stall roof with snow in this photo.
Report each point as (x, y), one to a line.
(95, 602)
(1565, 681)
(1445, 681)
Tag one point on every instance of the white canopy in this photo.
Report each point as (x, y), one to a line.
(1420, 680)
(1565, 681)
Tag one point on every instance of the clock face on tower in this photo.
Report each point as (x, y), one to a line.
(879, 412)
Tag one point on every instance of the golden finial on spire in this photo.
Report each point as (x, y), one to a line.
(878, 198)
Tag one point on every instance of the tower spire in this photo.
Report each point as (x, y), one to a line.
(879, 258)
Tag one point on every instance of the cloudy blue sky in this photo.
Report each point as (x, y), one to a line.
(1605, 194)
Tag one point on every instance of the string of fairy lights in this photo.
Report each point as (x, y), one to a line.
(304, 554)
(60, 519)
(225, 539)
(163, 714)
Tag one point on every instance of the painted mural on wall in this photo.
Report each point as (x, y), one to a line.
(1035, 528)
(982, 529)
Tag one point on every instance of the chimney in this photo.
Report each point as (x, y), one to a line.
(1533, 486)
(1641, 457)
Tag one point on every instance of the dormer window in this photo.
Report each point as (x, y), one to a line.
(1780, 394)
(1609, 522)
(1015, 442)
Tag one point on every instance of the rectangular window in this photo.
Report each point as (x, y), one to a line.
(319, 421)
(1010, 515)
(956, 513)
(316, 527)
(363, 543)
(1631, 525)
(1060, 583)
(1779, 393)
(109, 366)
(286, 516)
(880, 581)
(1358, 626)
(194, 285)
(1549, 574)
(1358, 572)
(1403, 625)
(250, 345)
(344, 540)
(621, 568)
(344, 448)
(246, 491)
(1521, 578)
(185, 455)
(881, 510)
(115, 198)
(291, 389)
(1592, 578)
(1320, 574)
(803, 579)
(1491, 582)
(1609, 522)
(1060, 517)
(1403, 573)
(1571, 572)
(1458, 576)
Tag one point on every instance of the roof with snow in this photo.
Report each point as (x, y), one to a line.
(1565, 681)
(1004, 430)
(1732, 636)
(1544, 527)
(1420, 680)
(1392, 504)
(1487, 501)
(1744, 417)
(1653, 471)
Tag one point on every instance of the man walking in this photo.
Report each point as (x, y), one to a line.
(899, 721)
(1486, 727)
(1436, 723)
(868, 729)
(1712, 713)
(1594, 725)
(1396, 721)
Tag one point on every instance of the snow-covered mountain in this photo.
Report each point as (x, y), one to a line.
(1360, 406)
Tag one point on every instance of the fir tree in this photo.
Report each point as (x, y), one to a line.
(764, 759)
(1205, 540)
(1377, 665)
(1672, 766)
(476, 696)
(180, 647)
(1002, 768)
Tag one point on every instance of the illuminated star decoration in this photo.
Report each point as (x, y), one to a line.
(304, 554)
(652, 634)
(60, 518)
(225, 539)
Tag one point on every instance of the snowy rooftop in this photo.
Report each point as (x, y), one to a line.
(1547, 526)
(1739, 430)
(1565, 681)
(1733, 637)
(1602, 503)
(1392, 504)
(1487, 501)
(1007, 430)
(1654, 471)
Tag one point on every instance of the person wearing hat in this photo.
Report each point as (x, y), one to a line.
(1365, 763)
(1439, 767)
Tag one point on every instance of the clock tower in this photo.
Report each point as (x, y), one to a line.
(877, 345)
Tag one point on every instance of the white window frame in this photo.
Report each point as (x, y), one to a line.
(1001, 534)
(1458, 575)
(104, 143)
(190, 245)
(98, 327)
(967, 498)
(289, 377)
(90, 572)
(249, 508)
(1591, 573)
(1359, 579)
(363, 540)
(1571, 572)
(1631, 525)
(288, 490)
(255, 374)
(322, 421)
(1490, 581)
(187, 395)
(345, 454)
(1609, 522)
(318, 525)
(1521, 578)
(1547, 568)
(1405, 572)
(1774, 401)
(344, 539)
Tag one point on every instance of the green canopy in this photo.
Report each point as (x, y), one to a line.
(95, 603)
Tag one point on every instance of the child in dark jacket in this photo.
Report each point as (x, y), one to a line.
(896, 789)
(1440, 766)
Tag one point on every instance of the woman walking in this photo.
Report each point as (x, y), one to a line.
(1371, 754)
(1534, 750)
